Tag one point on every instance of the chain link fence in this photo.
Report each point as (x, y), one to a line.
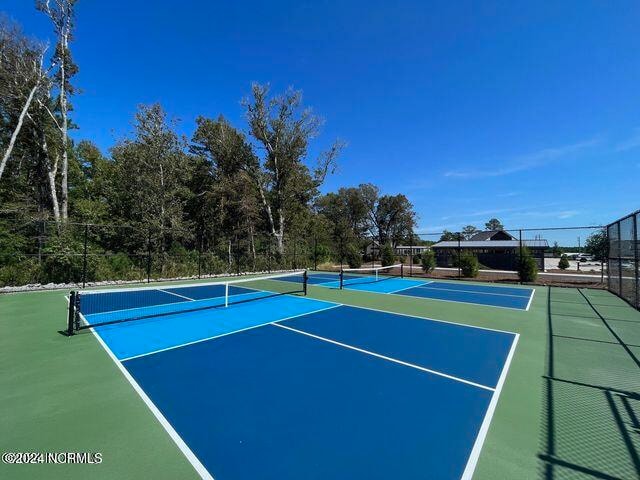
(42, 252)
(623, 256)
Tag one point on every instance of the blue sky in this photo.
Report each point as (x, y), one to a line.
(527, 111)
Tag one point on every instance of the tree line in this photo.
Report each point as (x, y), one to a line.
(224, 188)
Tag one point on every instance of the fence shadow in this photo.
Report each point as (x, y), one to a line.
(590, 425)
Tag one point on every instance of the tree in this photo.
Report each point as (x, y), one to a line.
(469, 265)
(390, 217)
(563, 264)
(469, 231)
(225, 203)
(387, 256)
(22, 78)
(61, 15)
(597, 244)
(283, 130)
(448, 236)
(527, 266)
(494, 225)
(150, 173)
(428, 261)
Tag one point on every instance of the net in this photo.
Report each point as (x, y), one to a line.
(354, 276)
(93, 308)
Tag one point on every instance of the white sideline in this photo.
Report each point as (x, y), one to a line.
(484, 427)
(384, 357)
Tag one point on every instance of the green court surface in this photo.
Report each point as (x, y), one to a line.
(570, 407)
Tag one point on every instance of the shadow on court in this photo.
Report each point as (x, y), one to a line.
(590, 426)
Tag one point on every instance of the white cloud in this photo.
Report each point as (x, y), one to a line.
(630, 143)
(526, 162)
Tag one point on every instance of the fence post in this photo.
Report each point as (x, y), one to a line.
(269, 255)
(149, 257)
(315, 252)
(237, 256)
(520, 256)
(634, 241)
(200, 256)
(411, 259)
(84, 256)
(459, 255)
(295, 263)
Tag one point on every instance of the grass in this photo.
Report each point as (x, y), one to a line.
(569, 408)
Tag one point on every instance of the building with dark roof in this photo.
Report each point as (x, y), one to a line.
(494, 249)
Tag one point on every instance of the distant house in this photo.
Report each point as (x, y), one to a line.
(401, 250)
(494, 249)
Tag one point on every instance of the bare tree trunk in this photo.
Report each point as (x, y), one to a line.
(280, 235)
(64, 128)
(52, 170)
(269, 213)
(16, 131)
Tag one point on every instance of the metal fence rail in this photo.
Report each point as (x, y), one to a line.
(623, 257)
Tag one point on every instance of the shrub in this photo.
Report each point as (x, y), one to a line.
(353, 257)
(428, 261)
(527, 266)
(387, 256)
(563, 264)
(469, 265)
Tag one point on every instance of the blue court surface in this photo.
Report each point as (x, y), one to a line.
(288, 387)
(494, 296)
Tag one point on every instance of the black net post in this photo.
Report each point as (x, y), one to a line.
(305, 281)
(71, 315)
(84, 256)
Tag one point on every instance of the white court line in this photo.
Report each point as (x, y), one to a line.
(184, 448)
(412, 286)
(471, 291)
(455, 301)
(384, 357)
(227, 333)
(176, 294)
(533, 292)
(484, 427)
(235, 295)
(428, 318)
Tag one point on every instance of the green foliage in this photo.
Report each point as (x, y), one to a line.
(527, 266)
(448, 236)
(469, 231)
(597, 245)
(387, 256)
(494, 224)
(563, 264)
(353, 256)
(428, 261)
(469, 265)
